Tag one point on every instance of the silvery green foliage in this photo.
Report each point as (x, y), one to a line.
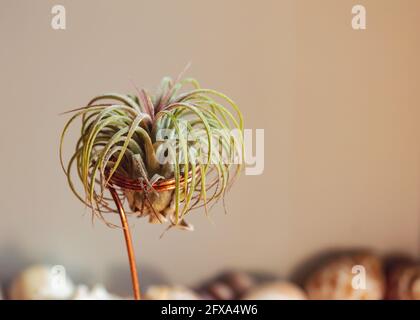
(121, 135)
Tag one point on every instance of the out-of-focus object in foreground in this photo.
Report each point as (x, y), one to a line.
(404, 281)
(42, 282)
(170, 293)
(348, 277)
(281, 290)
(98, 292)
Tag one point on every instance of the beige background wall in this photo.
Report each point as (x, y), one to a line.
(339, 108)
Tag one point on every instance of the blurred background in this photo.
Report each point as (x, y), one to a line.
(339, 108)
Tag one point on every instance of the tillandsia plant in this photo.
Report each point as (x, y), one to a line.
(165, 154)
(178, 146)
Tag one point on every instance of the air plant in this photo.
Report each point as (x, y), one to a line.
(164, 154)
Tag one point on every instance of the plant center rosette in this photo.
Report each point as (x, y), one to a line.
(166, 153)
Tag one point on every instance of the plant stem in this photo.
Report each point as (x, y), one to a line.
(128, 242)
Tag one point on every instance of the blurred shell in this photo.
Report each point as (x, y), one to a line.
(220, 291)
(227, 286)
(276, 291)
(98, 292)
(342, 279)
(170, 293)
(404, 282)
(41, 282)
